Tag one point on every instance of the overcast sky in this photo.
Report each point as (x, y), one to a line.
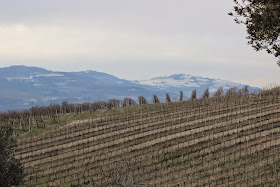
(132, 39)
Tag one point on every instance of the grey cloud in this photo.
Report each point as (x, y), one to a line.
(189, 36)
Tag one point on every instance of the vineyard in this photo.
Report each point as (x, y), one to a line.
(221, 141)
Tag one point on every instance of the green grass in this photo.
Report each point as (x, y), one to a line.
(63, 119)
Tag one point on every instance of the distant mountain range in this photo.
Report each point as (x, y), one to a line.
(187, 83)
(22, 87)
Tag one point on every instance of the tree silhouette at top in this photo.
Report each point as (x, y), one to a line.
(262, 21)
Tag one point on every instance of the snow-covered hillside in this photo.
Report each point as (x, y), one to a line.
(187, 83)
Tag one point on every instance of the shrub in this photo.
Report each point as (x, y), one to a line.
(11, 170)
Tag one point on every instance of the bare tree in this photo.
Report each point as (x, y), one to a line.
(231, 92)
(206, 94)
(193, 96)
(181, 96)
(142, 100)
(168, 99)
(113, 103)
(244, 91)
(128, 101)
(155, 99)
(219, 92)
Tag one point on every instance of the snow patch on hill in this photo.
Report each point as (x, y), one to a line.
(186, 81)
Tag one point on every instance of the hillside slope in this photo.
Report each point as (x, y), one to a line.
(224, 141)
(23, 87)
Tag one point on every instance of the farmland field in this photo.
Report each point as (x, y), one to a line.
(222, 141)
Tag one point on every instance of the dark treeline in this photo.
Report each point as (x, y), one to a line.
(37, 114)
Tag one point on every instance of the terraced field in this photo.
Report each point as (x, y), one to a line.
(222, 141)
